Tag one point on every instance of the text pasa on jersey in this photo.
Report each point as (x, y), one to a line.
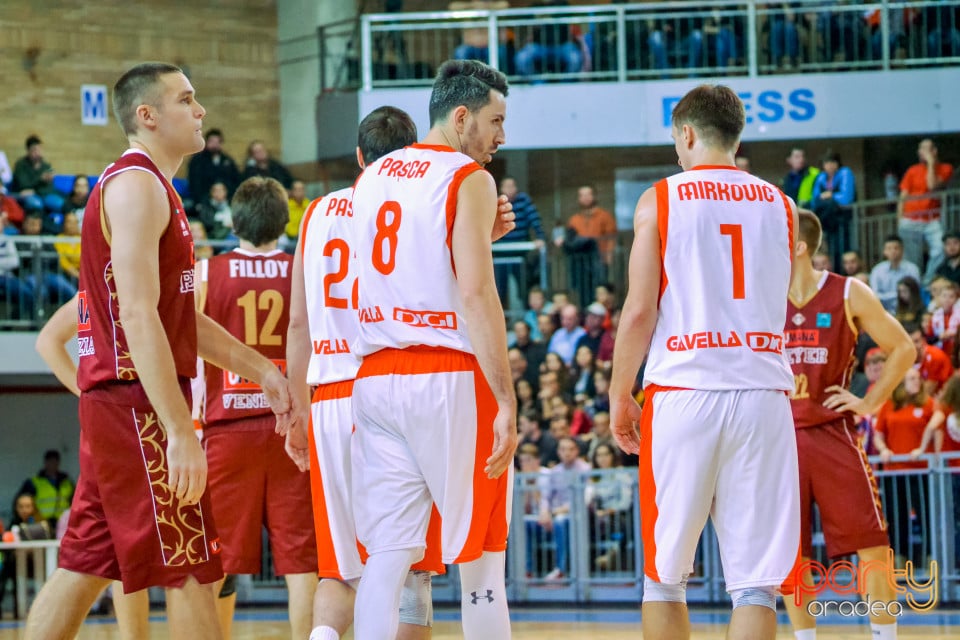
(760, 341)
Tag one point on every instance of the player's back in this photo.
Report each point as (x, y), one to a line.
(247, 294)
(330, 283)
(726, 248)
(405, 204)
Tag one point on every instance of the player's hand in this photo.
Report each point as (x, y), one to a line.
(297, 446)
(504, 443)
(842, 401)
(187, 466)
(504, 222)
(624, 417)
(276, 389)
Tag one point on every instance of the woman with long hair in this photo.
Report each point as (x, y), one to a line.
(909, 300)
(609, 498)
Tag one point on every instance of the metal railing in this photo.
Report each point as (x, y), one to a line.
(646, 40)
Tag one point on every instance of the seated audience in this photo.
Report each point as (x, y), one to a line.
(215, 214)
(609, 499)
(564, 340)
(68, 248)
(887, 274)
(909, 300)
(212, 165)
(33, 180)
(557, 501)
(950, 267)
(259, 163)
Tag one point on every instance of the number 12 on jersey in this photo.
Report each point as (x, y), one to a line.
(735, 231)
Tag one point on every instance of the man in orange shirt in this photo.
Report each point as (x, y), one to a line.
(934, 365)
(919, 208)
(590, 226)
(592, 221)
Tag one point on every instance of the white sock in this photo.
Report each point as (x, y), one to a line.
(324, 633)
(376, 613)
(806, 634)
(884, 631)
(483, 603)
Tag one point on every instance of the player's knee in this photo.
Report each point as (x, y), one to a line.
(654, 591)
(229, 586)
(755, 596)
(416, 599)
(353, 583)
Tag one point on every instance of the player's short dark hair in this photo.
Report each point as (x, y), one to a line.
(384, 130)
(138, 86)
(464, 82)
(893, 238)
(810, 230)
(260, 210)
(715, 112)
(32, 140)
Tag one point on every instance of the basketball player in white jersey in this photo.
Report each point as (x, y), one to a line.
(323, 323)
(708, 280)
(434, 406)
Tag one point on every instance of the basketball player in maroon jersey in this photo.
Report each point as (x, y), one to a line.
(246, 291)
(824, 315)
(141, 513)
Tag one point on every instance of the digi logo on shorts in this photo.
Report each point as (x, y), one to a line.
(432, 319)
(83, 312)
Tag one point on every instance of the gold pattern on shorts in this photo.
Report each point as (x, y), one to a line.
(182, 534)
(125, 368)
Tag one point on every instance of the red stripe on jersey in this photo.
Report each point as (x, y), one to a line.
(433, 147)
(663, 217)
(786, 204)
(648, 488)
(415, 360)
(458, 177)
(306, 221)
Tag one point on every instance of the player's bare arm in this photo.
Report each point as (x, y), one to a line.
(52, 340)
(870, 317)
(637, 321)
(138, 213)
(504, 222)
(298, 361)
(476, 210)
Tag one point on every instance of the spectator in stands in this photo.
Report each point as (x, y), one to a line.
(605, 352)
(834, 191)
(519, 367)
(919, 207)
(528, 228)
(297, 203)
(950, 265)
(872, 368)
(596, 313)
(909, 300)
(212, 165)
(609, 499)
(215, 214)
(526, 395)
(742, 162)
(946, 318)
(932, 363)
(606, 294)
(553, 363)
(547, 326)
(476, 41)
(885, 275)
(599, 434)
(822, 261)
(534, 350)
(785, 38)
(593, 221)
(14, 212)
(259, 163)
(851, 263)
(557, 501)
(798, 183)
(530, 495)
(600, 403)
(553, 46)
(51, 488)
(24, 513)
(79, 194)
(33, 180)
(584, 367)
(68, 249)
(536, 301)
(564, 340)
(6, 173)
(942, 20)
(899, 431)
(528, 425)
(201, 249)
(16, 294)
(839, 29)
(39, 269)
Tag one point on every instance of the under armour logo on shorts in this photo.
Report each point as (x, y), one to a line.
(475, 597)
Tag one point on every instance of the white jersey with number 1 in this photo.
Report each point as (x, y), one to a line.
(408, 287)
(726, 243)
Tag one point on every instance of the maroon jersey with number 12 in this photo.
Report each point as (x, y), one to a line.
(820, 338)
(247, 294)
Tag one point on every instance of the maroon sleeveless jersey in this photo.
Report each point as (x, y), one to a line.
(104, 353)
(820, 340)
(247, 293)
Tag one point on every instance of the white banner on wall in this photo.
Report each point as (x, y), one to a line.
(836, 105)
(93, 104)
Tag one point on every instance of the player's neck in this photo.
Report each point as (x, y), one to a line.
(168, 163)
(805, 282)
(444, 137)
(268, 247)
(709, 157)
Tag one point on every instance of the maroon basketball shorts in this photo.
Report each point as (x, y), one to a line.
(252, 484)
(125, 523)
(835, 474)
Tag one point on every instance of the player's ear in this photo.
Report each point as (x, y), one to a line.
(147, 116)
(360, 161)
(800, 248)
(459, 118)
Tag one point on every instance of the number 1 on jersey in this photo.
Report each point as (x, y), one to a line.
(735, 231)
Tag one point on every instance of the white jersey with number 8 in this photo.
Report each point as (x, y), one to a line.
(331, 287)
(405, 204)
(726, 241)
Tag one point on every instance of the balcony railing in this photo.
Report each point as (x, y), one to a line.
(644, 41)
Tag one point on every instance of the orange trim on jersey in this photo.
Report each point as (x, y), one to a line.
(433, 147)
(648, 488)
(326, 552)
(663, 217)
(306, 221)
(786, 204)
(710, 167)
(333, 391)
(452, 192)
(415, 360)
